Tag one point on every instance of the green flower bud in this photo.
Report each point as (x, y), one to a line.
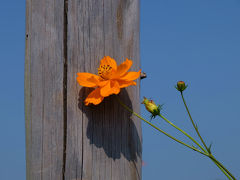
(151, 107)
(181, 86)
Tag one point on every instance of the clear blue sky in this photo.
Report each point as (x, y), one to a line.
(195, 41)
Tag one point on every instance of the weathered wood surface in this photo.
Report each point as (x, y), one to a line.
(64, 138)
(44, 89)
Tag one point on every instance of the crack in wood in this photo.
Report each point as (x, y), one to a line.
(120, 20)
(65, 71)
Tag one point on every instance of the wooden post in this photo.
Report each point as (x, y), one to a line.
(65, 139)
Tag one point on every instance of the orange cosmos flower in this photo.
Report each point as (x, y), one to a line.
(110, 79)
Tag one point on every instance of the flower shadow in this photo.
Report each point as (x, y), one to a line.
(110, 126)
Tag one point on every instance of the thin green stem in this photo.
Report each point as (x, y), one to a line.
(196, 129)
(223, 169)
(226, 174)
(220, 164)
(130, 110)
(194, 142)
(186, 134)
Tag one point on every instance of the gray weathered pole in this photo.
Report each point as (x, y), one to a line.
(66, 140)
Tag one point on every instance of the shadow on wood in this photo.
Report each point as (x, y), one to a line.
(110, 126)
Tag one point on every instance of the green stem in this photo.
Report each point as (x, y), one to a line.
(186, 134)
(196, 129)
(220, 164)
(130, 110)
(226, 174)
(194, 142)
(222, 168)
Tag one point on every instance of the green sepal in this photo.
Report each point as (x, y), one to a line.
(209, 148)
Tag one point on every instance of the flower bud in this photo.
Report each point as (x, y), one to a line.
(151, 107)
(181, 86)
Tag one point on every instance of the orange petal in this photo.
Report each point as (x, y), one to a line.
(124, 67)
(87, 79)
(102, 82)
(115, 87)
(94, 97)
(112, 87)
(109, 61)
(130, 76)
(123, 84)
(105, 90)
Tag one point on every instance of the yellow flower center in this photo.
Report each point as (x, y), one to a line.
(104, 71)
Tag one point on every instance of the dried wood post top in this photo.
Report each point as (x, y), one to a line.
(64, 138)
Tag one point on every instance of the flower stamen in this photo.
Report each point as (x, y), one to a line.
(104, 71)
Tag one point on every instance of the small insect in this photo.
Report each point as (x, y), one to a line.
(143, 75)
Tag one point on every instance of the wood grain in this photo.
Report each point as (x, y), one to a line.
(103, 142)
(64, 138)
(44, 89)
